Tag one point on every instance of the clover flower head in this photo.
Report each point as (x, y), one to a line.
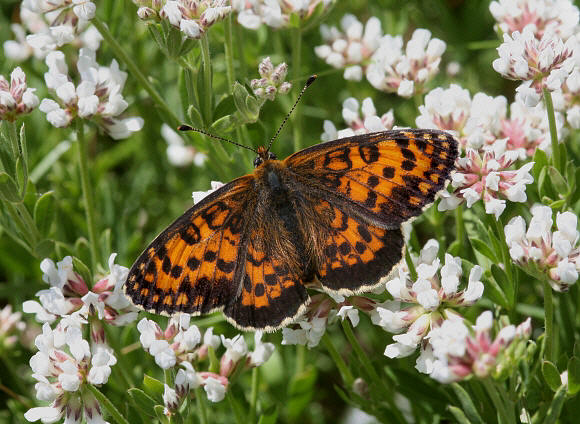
(457, 350)
(16, 98)
(544, 63)
(430, 299)
(192, 17)
(487, 177)
(538, 249)
(63, 364)
(271, 81)
(367, 123)
(351, 48)
(97, 96)
(541, 16)
(273, 13)
(405, 72)
(11, 326)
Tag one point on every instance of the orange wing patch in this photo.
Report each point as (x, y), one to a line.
(392, 174)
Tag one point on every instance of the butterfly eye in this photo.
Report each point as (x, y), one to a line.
(258, 161)
(272, 156)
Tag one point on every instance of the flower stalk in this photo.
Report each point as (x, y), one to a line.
(548, 322)
(108, 405)
(553, 131)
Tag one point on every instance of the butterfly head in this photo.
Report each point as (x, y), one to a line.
(263, 156)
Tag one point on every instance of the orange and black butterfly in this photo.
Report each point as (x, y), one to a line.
(329, 216)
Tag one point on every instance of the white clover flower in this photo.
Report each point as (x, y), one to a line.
(271, 81)
(61, 367)
(557, 16)
(556, 254)
(275, 14)
(214, 389)
(456, 350)
(367, 123)
(544, 63)
(199, 195)
(405, 73)
(16, 98)
(487, 177)
(262, 351)
(96, 97)
(349, 311)
(430, 299)
(310, 332)
(178, 153)
(352, 47)
(193, 18)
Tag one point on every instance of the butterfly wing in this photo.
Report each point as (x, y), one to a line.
(215, 257)
(362, 189)
(386, 177)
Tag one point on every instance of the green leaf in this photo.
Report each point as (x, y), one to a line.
(573, 375)
(253, 106)
(44, 212)
(300, 392)
(153, 387)
(8, 188)
(44, 248)
(556, 406)
(240, 96)
(224, 124)
(459, 415)
(195, 119)
(159, 412)
(551, 375)
(270, 416)
(495, 292)
(142, 401)
(483, 248)
(467, 404)
(541, 161)
(502, 279)
(558, 180)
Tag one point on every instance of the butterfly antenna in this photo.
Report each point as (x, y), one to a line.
(185, 127)
(310, 81)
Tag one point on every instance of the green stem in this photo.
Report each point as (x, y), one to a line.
(206, 108)
(254, 395)
(296, 62)
(345, 373)
(300, 358)
(358, 350)
(553, 131)
(135, 70)
(549, 322)
(107, 404)
(232, 401)
(500, 406)
(201, 406)
(229, 52)
(459, 226)
(13, 137)
(88, 195)
(410, 264)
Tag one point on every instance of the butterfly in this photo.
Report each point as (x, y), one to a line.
(327, 216)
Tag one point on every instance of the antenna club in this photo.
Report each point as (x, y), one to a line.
(184, 127)
(311, 80)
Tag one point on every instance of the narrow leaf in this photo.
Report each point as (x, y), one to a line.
(44, 212)
(551, 375)
(484, 249)
(153, 387)
(8, 188)
(467, 404)
(143, 402)
(556, 406)
(573, 375)
(459, 415)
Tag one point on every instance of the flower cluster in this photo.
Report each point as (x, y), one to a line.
(486, 176)
(556, 16)
(274, 13)
(481, 121)
(11, 325)
(97, 96)
(271, 81)
(192, 17)
(351, 48)
(544, 63)
(46, 25)
(431, 299)
(456, 351)
(69, 296)
(62, 367)
(541, 251)
(406, 73)
(181, 344)
(15, 97)
(369, 122)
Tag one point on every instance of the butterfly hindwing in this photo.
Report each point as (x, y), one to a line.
(388, 176)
